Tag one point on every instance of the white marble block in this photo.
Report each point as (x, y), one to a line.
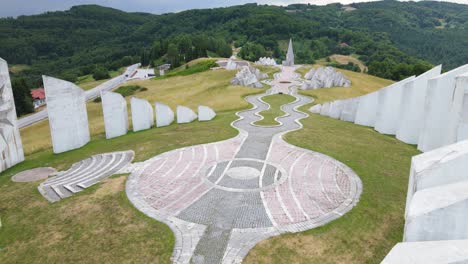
(438, 213)
(11, 147)
(350, 107)
(366, 113)
(325, 110)
(68, 117)
(336, 107)
(114, 108)
(440, 123)
(185, 115)
(205, 113)
(429, 252)
(388, 111)
(164, 115)
(142, 114)
(412, 107)
(438, 167)
(315, 109)
(460, 107)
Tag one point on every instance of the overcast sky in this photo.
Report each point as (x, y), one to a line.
(28, 7)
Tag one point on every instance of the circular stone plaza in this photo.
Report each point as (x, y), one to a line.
(220, 199)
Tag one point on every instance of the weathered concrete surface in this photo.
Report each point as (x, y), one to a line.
(33, 174)
(325, 109)
(440, 123)
(68, 117)
(266, 61)
(142, 114)
(185, 115)
(438, 167)
(205, 113)
(412, 106)
(324, 77)
(11, 147)
(460, 107)
(438, 213)
(289, 55)
(350, 107)
(366, 113)
(164, 115)
(316, 109)
(430, 252)
(389, 106)
(336, 107)
(115, 112)
(249, 77)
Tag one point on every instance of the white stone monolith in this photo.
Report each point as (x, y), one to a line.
(336, 107)
(350, 107)
(438, 167)
(142, 114)
(366, 113)
(388, 111)
(440, 123)
(429, 252)
(205, 113)
(185, 115)
(315, 109)
(325, 110)
(11, 147)
(438, 213)
(164, 115)
(460, 107)
(412, 107)
(68, 117)
(114, 108)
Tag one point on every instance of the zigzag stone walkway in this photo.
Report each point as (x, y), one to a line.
(220, 199)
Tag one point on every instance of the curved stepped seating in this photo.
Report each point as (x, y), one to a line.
(84, 174)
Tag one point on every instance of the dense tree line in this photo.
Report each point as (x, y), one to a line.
(394, 39)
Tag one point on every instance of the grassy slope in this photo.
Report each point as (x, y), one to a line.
(371, 229)
(87, 82)
(275, 101)
(211, 88)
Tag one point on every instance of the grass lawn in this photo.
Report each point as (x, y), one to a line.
(275, 101)
(360, 84)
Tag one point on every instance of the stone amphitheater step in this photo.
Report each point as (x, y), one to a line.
(84, 174)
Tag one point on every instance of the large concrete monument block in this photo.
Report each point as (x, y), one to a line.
(142, 114)
(440, 123)
(438, 213)
(68, 118)
(316, 109)
(366, 113)
(325, 109)
(336, 107)
(350, 109)
(185, 115)
(205, 113)
(460, 107)
(115, 112)
(290, 55)
(164, 115)
(388, 112)
(11, 147)
(412, 107)
(429, 252)
(438, 167)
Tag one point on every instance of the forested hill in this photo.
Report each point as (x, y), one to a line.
(394, 39)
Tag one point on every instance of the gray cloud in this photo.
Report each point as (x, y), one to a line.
(28, 7)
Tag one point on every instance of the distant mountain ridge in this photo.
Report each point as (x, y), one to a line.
(388, 32)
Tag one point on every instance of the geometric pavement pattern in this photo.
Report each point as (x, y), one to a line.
(222, 198)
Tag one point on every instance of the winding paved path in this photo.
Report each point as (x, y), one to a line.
(220, 199)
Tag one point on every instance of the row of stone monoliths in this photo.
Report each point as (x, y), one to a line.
(436, 226)
(68, 118)
(430, 110)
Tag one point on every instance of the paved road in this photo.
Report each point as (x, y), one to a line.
(220, 199)
(90, 95)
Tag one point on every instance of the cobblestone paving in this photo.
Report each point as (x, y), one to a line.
(220, 199)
